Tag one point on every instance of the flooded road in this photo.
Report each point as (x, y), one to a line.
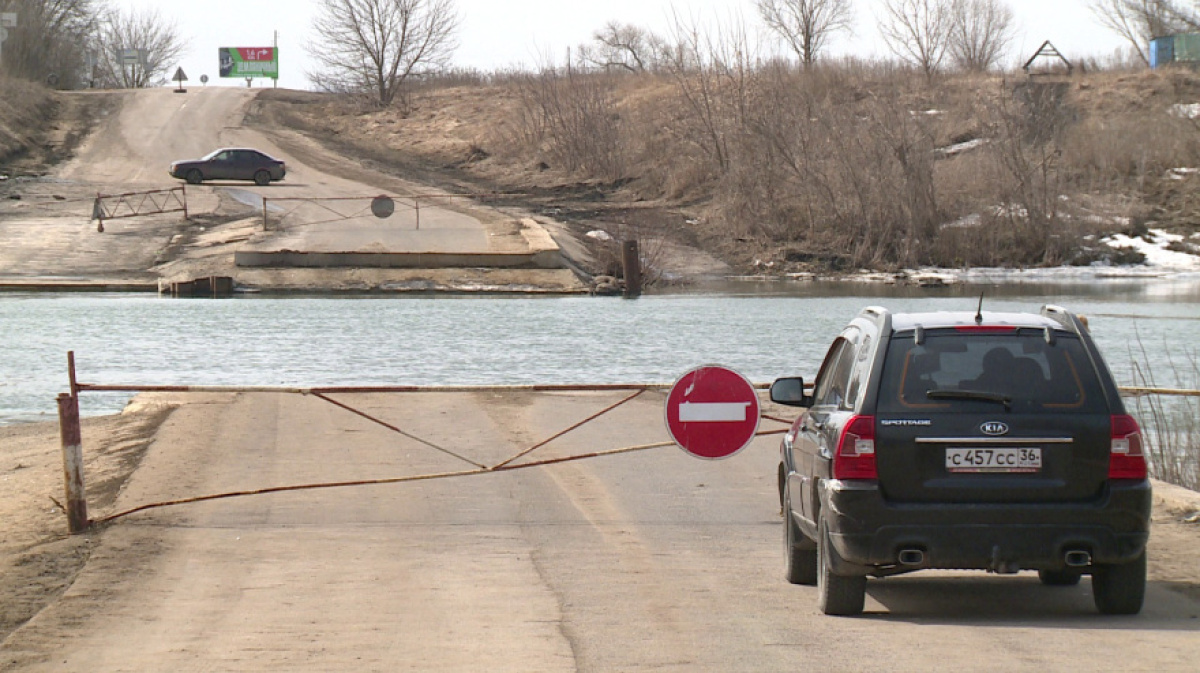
(764, 330)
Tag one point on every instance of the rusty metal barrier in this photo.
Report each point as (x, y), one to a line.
(69, 424)
(76, 508)
(137, 204)
(381, 206)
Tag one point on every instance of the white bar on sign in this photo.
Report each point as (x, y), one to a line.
(713, 412)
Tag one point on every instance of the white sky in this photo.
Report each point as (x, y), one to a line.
(497, 34)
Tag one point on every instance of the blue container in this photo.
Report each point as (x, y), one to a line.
(1162, 51)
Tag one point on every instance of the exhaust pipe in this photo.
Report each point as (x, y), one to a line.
(911, 557)
(1078, 559)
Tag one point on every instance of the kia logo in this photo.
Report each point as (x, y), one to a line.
(994, 428)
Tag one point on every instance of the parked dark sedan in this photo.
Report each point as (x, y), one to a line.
(231, 163)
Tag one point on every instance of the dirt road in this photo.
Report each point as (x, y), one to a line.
(649, 560)
(322, 206)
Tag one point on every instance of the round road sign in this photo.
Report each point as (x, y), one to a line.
(383, 207)
(712, 412)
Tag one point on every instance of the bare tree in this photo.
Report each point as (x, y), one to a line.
(980, 32)
(374, 46)
(1140, 21)
(625, 46)
(49, 42)
(918, 31)
(155, 39)
(805, 25)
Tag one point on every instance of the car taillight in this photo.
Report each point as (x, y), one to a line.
(1126, 460)
(855, 457)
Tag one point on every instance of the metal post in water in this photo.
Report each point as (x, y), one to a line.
(72, 446)
(264, 213)
(632, 267)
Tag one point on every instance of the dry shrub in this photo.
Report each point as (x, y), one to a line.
(24, 113)
(847, 161)
(569, 117)
(840, 164)
(1170, 423)
(1120, 151)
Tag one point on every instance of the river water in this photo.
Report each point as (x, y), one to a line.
(763, 330)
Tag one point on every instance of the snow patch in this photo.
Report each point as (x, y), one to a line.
(1186, 111)
(1154, 246)
(959, 148)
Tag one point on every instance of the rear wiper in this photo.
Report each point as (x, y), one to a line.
(950, 394)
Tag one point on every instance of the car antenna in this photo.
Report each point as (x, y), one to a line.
(979, 311)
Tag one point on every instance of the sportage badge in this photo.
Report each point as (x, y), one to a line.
(994, 428)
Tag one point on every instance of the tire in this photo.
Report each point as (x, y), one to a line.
(799, 553)
(262, 178)
(1067, 577)
(836, 594)
(195, 177)
(1120, 589)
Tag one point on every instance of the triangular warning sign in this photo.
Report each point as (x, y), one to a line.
(179, 75)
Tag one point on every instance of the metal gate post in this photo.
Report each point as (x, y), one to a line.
(72, 446)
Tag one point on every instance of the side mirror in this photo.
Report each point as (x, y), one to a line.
(790, 391)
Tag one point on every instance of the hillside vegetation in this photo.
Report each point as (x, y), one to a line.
(772, 169)
(26, 113)
(779, 170)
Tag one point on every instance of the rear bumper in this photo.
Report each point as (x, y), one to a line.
(866, 530)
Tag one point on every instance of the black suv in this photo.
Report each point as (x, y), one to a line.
(987, 441)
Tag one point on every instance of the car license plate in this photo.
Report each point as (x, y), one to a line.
(999, 459)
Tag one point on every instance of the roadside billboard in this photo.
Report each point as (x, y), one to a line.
(249, 61)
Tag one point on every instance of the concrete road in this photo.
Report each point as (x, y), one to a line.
(646, 561)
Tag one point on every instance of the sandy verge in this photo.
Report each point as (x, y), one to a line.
(38, 557)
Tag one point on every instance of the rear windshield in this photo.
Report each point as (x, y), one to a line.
(962, 371)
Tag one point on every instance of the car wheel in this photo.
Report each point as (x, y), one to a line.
(1068, 577)
(262, 178)
(836, 594)
(195, 177)
(799, 553)
(1120, 589)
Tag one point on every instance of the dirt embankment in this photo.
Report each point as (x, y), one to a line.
(40, 128)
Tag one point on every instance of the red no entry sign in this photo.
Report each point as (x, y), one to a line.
(712, 412)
